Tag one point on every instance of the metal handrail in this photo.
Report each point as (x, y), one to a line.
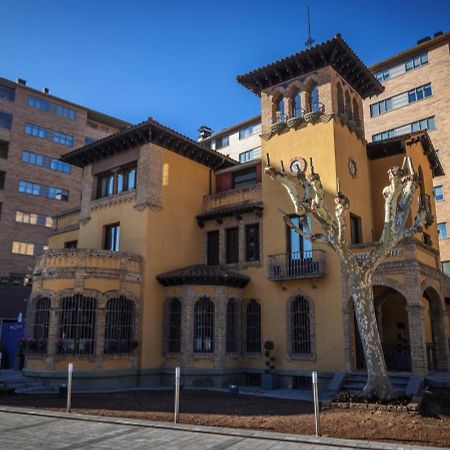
(306, 264)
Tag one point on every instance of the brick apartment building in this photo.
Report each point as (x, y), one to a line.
(416, 96)
(36, 128)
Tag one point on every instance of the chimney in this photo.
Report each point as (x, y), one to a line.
(424, 39)
(438, 33)
(21, 81)
(204, 132)
(45, 90)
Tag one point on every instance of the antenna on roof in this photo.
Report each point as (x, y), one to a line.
(310, 41)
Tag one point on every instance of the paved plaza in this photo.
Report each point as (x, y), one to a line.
(29, 429)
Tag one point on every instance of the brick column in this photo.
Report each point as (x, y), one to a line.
(187, 326)
(419, 362)
(87, 182)
(439, 339)
(100, 333)
(52, 334)
(220, 326)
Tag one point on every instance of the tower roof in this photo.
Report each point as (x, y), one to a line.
(334, 52)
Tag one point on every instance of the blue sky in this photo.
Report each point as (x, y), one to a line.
(177, 61)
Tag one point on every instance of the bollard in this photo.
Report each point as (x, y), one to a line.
(69, 387)
(316, 402)
(177, 394)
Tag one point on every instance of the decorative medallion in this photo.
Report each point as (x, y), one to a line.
(352, 167)
(298, 164)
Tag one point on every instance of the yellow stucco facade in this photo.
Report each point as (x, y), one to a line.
(204, 270)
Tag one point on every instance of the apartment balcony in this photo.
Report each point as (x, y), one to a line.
(297, 265)
(67, 221)
(84, 264)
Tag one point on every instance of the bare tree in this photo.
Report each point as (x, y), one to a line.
(307, 196)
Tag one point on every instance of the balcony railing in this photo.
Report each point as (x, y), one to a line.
(297, 265)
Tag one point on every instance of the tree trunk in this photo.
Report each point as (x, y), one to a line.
(378, 383)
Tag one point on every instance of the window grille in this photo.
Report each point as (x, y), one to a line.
(300, 326)
(232, 326)
(253, 327)
(119, 326)
(174, 326)
(39, 339)
(77, 318)
(204, 326)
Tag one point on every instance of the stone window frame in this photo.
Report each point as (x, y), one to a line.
(312, 328)
(294, 86)
(101, 299)
(241, 221)
(205, 354)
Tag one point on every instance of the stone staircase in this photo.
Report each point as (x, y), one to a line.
(14, 379)
(404, 383)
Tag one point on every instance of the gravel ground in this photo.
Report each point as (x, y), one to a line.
(429, 427)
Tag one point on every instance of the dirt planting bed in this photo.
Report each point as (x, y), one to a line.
(429, 426)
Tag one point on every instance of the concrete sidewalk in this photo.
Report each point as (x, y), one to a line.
(30, 429)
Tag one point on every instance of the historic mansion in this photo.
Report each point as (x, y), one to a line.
(179, 255)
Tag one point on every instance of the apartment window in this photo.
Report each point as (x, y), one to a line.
(44, 161)
(89, 140)
(71, 244)
(23, 248)
(381, 107)
(232, 245)
(355, 229)
(419, 93)
(442, 230)
(7, 93)
(220, 142)
(112, 237)
(92, 125)
(57, 110)
(250, 154)
(213, 247)
(231, 338)
(438, 193)
(49, 135)
(4, 147)
(204, 326)
(425, 124)
(249, 131)
(119, 325)
(34, 219)
(445, 265)
(244, 178)
(394, 71)
(5, 120)
(174, 326)
(26, 187)
(426, 239)
(2, 180)
(253, 341)
(123, 179)
(252, 242)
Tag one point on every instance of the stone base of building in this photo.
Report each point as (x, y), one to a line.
(110, 380)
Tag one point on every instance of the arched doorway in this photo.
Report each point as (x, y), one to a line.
(392, 319)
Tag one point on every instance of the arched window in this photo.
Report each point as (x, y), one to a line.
(204, 326)
(314, 104)
(296, 104)
(39, 341)
(356, 112)
(174, 326)
(340, 98)
(348, 104)
(300, 326)
(279, 109)
(77, 318)
(231, 343)
(253, 327)
(119, 325)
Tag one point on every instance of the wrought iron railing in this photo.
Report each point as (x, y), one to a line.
(307, 264)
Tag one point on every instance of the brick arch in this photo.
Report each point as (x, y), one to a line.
(312, 325)
(340, 97)
(293, 86)
(391, 283)
(45, 293)
(433, 296)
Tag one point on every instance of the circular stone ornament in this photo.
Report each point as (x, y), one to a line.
(298, 164)
(352, 167)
